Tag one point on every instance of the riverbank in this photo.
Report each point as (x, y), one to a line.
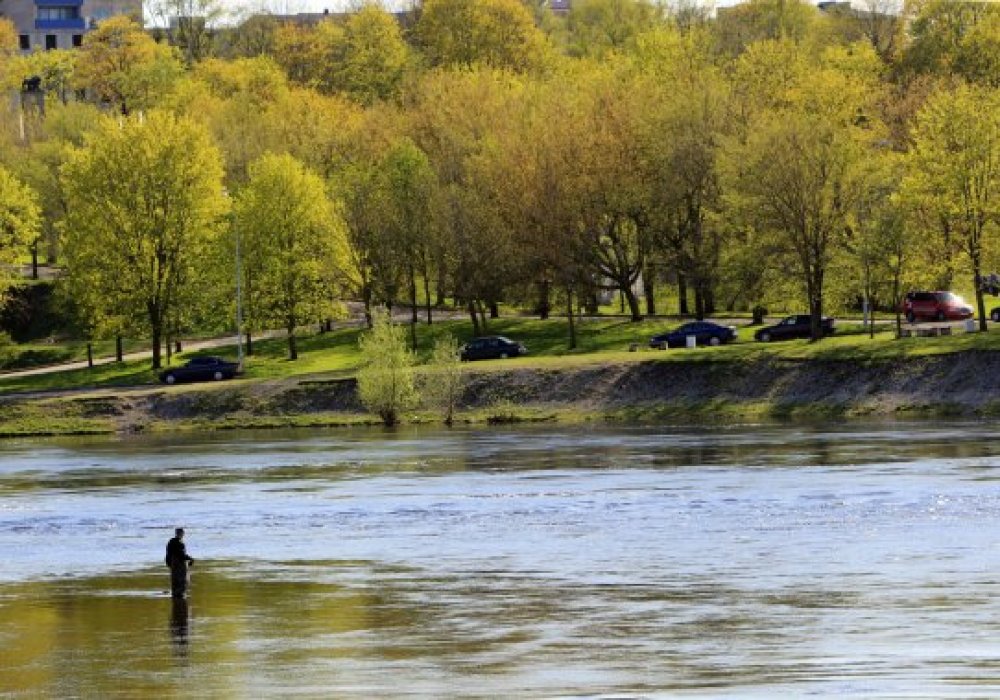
(957, 384)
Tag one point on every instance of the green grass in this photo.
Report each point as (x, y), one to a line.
(336, 353)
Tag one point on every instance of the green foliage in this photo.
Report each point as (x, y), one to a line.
(955, 173)
(385, 379)
(292, 245)
(496, 33)
(443, 379)
(20, 224)
(145, 205)
(125, 67)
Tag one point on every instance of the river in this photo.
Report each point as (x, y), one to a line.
(857, 559)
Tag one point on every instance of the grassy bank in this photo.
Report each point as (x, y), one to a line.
(335, 354)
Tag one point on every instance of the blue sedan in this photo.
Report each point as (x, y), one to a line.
(705, 333)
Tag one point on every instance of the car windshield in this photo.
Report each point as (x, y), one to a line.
(953, 298)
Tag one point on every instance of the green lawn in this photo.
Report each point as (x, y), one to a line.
(605, 340)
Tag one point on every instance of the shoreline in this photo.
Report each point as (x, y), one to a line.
(964, 384)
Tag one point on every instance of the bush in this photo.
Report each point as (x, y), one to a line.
(385, 379)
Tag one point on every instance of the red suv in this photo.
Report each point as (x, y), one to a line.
(939, 306)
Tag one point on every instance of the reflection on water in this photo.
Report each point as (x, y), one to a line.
(848, 560)
(180, 618)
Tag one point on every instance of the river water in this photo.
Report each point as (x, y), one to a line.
(846, 560)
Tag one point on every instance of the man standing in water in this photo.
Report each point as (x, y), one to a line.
(178, 561)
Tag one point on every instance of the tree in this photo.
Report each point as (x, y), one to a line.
(410, 181)
(144, 206)
(385, 378)
(123, 66)
(443, 379)
(20, 223)
(598, 27)
(293, 243)
(795, 171)
(955, 171)
(375, 56)
(494, 33)
(190, 24)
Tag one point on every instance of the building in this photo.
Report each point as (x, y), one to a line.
(61, 24)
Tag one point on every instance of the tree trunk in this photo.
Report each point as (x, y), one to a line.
(249, 348)
(427, 296)
(414, 313)
(169, 348)
(699, 303)
(119, 355)
(482, 315)
(293, 351)
(682, 295)
(474, 317)
(494, 310)
(544, 300)
(569, 316)
(90, 356)
(34, 259)
(980, 302)
(157, 342)
(633, 304)
(649, 289)
(366, 296)
(815, 293)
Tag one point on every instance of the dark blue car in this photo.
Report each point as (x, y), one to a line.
(705, 333)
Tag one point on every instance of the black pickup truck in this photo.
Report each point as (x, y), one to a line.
(200, 369)
(799, 326)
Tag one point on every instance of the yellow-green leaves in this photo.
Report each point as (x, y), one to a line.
(955, 171)
(145, 205)
(293, 244)
(494, 33)
(20, 223)
(125, 67)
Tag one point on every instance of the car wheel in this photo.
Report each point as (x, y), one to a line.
(170, 379)
(910, 316)
(940, 316)
(503, 356)
(714, 341)
(765, 337)
(218, 376)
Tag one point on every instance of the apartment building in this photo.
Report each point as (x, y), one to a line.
(61, 24)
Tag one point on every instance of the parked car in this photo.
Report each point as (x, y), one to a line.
(200, 369)
(494, 347)
(705, 333)
(937, 306)
(995, 315)
(798, 326)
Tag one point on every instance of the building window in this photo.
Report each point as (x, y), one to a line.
(55, 13)
(50, 42)
(78, 40)
(25, 42)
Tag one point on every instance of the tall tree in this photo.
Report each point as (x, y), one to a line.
(145, 204)
(494, 33)
(20, 223)
(375, 57)
(123, 66)
(955, 170)
(291, 233)
(795, 170)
